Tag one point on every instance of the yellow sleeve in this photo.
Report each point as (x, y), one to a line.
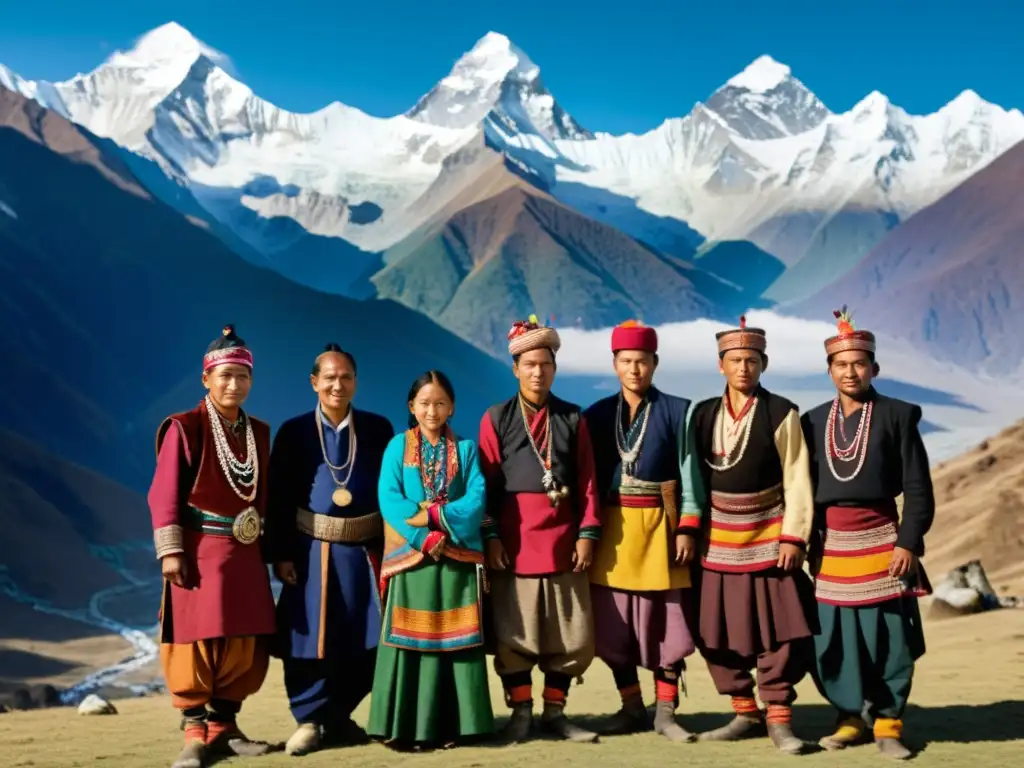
(798, 491)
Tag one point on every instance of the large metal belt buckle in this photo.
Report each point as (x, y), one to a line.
(247, 526)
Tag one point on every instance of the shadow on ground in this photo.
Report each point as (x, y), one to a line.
(954, 723)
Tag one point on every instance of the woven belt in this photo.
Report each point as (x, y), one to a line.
(340, 530)
(245, 527)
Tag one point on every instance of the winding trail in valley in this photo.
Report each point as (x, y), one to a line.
(140, 639)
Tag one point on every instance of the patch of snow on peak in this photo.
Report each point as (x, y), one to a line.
(5, 208)
(167, 44)
(496, 78)
(760, 76)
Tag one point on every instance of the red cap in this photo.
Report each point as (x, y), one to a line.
(632, 335)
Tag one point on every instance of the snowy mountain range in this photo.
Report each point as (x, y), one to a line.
(327, 195)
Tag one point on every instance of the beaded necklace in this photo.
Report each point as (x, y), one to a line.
(856, 451)
(628, 442)
(243, 473)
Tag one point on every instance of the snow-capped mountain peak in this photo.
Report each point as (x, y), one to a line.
(760, 76)
(166, 45)
(497, 80)
(765, 101)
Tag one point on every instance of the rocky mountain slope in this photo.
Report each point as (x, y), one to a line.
(980, 511)
(950, 278)
(117, 295)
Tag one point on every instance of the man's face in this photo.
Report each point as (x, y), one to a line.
(228, 384)
(852, 372)
(635, 369)
(742, 369)
(335, 385)
(536, 373)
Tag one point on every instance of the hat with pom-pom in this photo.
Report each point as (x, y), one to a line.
(848, 338)
(227, 349)
(742, 338)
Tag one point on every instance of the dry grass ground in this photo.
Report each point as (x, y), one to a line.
(967, 710)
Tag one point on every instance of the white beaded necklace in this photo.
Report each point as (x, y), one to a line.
(353, 445)
(858, 450)
(628, 455)
(748, 420)
(229, 464)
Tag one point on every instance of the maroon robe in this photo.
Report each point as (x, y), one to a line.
(228, 589)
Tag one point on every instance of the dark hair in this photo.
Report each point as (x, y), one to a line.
(332, 347)
(871, 357)
(430, 377)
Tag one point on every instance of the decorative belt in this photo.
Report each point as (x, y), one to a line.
(645, 493)
(246, 527)
(340, 530)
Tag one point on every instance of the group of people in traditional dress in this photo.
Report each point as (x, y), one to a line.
(639, 530)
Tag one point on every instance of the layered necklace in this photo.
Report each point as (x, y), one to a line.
(342, 496)
(727, 438)
(555, 494)
(433, 467)
(239, 474)
(857, 450)
(628, 442)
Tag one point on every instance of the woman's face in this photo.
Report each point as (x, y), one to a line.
(432, 408)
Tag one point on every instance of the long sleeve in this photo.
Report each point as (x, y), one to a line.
(918, 493)
(165, 494)
(461, 519)
(797, 490)
(814, 545)
(490, 466)
(693, 494)
(589, 500)
(394, 506)
(282, 499)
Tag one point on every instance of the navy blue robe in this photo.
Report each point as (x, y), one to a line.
(316, 656)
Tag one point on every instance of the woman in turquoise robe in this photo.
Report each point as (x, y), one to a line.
(430, 685)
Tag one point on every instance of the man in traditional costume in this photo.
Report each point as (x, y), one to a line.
(755, 600)
(540, 532)
(640, 579)
(866, 450)
(207, 503)
(325, 536)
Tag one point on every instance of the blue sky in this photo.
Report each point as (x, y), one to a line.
(615, 66)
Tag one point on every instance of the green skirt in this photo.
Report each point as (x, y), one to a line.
(430, 684)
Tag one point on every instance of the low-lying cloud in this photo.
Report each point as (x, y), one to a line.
(795, 346)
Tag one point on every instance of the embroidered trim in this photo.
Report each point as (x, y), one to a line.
(746, 529)
(423, 630)
(168, 540)
(340, 530)
(592, 532)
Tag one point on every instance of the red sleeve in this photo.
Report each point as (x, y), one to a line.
(490, 465)
(165, 493)
(590, 505)
(431, 540)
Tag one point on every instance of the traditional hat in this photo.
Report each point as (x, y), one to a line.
(227, 349)
(527, 335)
(741, 338)
(847, 338)
(634, 335)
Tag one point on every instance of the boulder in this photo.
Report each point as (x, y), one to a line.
(96, 705)
(21, 699)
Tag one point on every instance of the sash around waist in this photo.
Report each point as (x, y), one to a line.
(745, 531)
(340, 530)
(857, 551)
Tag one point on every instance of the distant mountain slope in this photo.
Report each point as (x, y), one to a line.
(517, 251)
(57, 516)
(980, 511)
(116, 295)
(951, 278)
